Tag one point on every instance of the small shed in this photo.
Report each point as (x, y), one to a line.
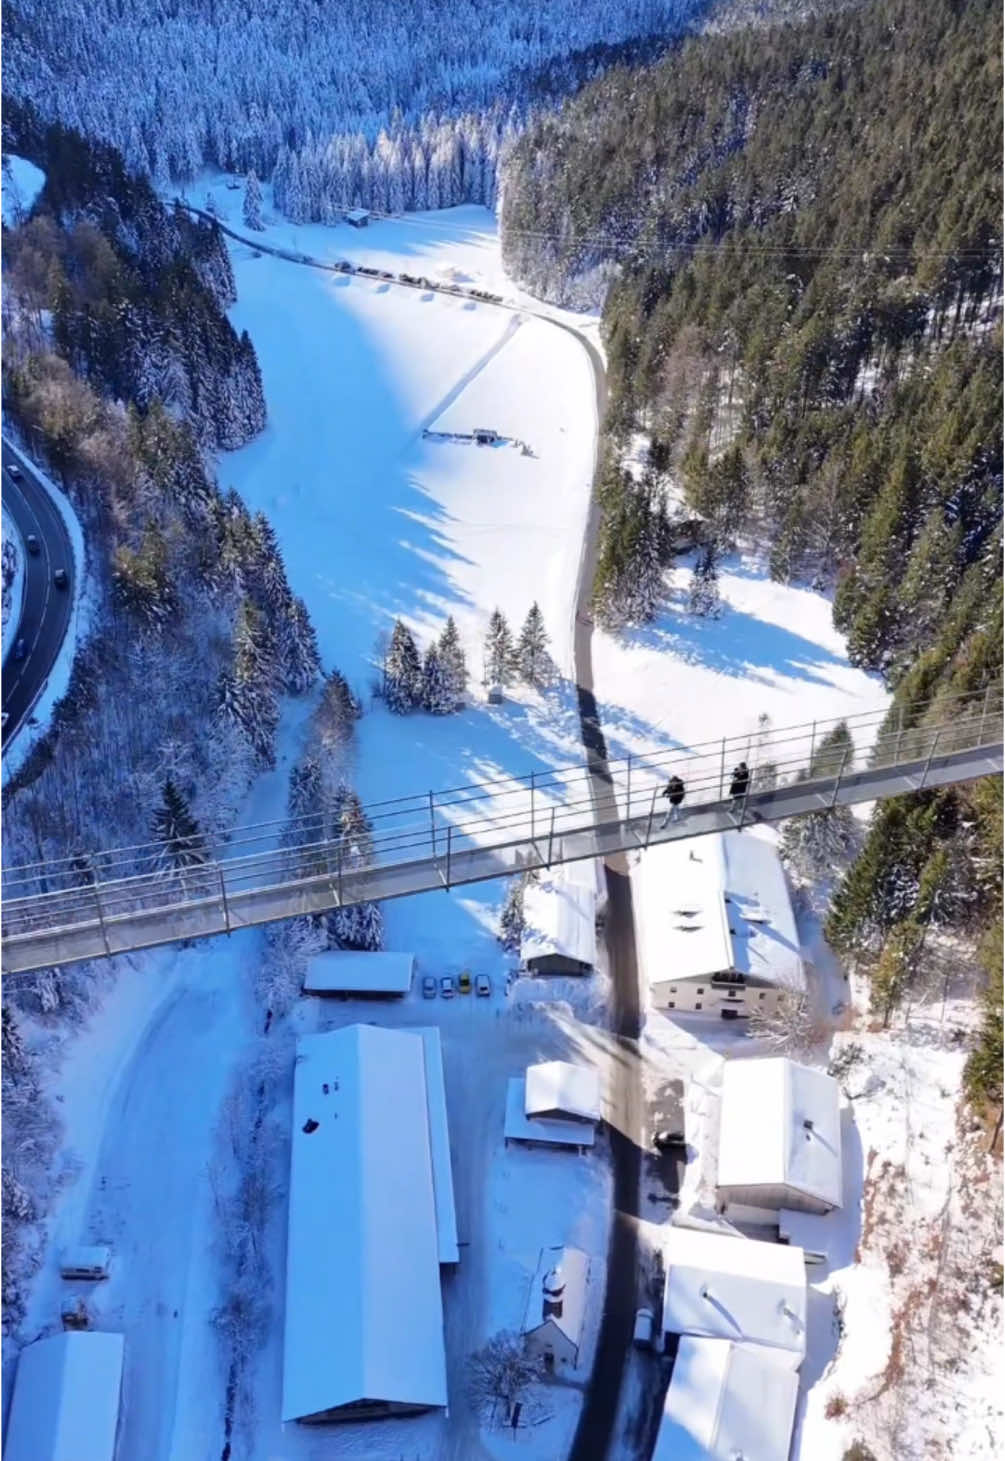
(560, 1091)
(382, 975)
(65, 1405)
(540, 1130)
(726, 1401)
(738, 1289)
(779, 1137)
(358, 217)
(556, 1307)
(560, 928)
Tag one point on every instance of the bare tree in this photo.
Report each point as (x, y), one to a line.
(502, 1370)
(791, 1024)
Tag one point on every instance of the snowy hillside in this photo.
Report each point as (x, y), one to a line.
(20, 185)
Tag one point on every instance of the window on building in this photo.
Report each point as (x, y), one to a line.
(671, 1004)
(760, 996)
(697, 1004)
(701, 991)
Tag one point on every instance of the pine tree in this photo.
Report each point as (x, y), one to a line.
(436, 697)
(337, 712)
(533, 660)
(299, 654)
(253, 204)
(359, 926)
(177, 831)
(13, 1056)
(498, 650)
(454, 667)
(403, 675)
(511, 917)
(703, 596)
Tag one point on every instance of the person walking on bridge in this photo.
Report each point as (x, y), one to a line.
(739, 782)
(674, 793)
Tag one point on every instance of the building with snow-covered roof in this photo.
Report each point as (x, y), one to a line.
(560, 1091)
(738, 1289)
(556, 1307)
(727, 1401)
(364, 1314)
(352, 971)
(779, 1137)
(542, 1130)
(719, 933)
(358, 217)
(439, 1144)
(65, 1405)
(559, 927)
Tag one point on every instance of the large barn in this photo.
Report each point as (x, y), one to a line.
(560, 926)
(727, 1401)
(779, 1137)
(719, 934)
(364, 1315)
(65, 1405)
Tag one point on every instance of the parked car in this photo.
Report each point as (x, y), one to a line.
(33, 545)
(90, 1263)
(20, 649)
(59, 578)
(643, 1334)
(429, 986)
(447, 987)
(14, 471)
(464, 982)
(483, 984)
(665, 1139)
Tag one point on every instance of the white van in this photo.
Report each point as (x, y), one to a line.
(88, 1263)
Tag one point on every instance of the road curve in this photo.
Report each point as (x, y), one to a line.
(46, 609)
(594, 1431)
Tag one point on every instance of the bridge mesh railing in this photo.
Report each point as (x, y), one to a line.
(439, 827)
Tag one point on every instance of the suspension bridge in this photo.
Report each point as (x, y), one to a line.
(115, 901)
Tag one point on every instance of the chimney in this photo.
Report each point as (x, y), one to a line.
(553, 1289)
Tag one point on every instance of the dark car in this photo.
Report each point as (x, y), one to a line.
(14, 471)
(33, 545)
(20, 649)
(59, 578)
(663, 1140)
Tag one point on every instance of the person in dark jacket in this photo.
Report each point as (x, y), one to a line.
(741, 780)
(674, 793)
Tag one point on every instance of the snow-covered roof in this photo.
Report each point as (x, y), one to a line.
(558, 1292)
(585, 872)
(65, 1405)
(366, 973)
(780, 1123)
(357, 215)
(735, 1288)
(723, 905)
(727, 1401)
(439, 1144)
(521, 1127)
(557, 1088)
(364, 1314)
(559, 918)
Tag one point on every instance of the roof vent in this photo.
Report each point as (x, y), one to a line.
(310, 1125)
(807, 1123)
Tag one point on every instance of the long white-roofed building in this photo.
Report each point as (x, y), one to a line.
(779, 1137)
(727, 1401)
(65, 1404)
(364, 1314)
(560, 926)
(719, 933)
(737, 1289)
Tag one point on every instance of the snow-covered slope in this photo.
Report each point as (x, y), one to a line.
(21, 182)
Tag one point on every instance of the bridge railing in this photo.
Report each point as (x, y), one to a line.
(541, 809)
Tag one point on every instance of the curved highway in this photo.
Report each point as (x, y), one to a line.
(46, 608)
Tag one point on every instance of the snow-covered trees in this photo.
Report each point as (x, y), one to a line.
(338, 711)
(455, 669)
(176, 830)
(823, 842)
(403, 671)
(252, 213)
(532, 658)
(511, 916)
(703, 595)
(435, 682)
(436, 696)
(499, 653)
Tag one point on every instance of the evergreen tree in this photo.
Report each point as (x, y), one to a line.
(498, 650)
(13, 1056)
(403, 675)
(298, 646)
(337, 712)
(253, 203)
(703, 596)
(532, 658)
(511, 917)
(454, 667)
(436, 696)
(177, 831)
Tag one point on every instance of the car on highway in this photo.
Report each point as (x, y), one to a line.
(59, 578)
(447, 987)
(483, 985)
(14, 471)
(664, 1140)
(33, 545)
(429, 986)
(464, 982)
(20, 649)
(6, 717)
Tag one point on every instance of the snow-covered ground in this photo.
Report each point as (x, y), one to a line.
(17, 749)
(13, 579)
(20, 184)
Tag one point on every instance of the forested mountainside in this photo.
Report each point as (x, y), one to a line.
(119, 365)
(798, 232)
(385, 102)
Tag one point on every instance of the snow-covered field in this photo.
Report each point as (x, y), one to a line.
(20, 184)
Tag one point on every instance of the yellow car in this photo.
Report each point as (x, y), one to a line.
(464, 982)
